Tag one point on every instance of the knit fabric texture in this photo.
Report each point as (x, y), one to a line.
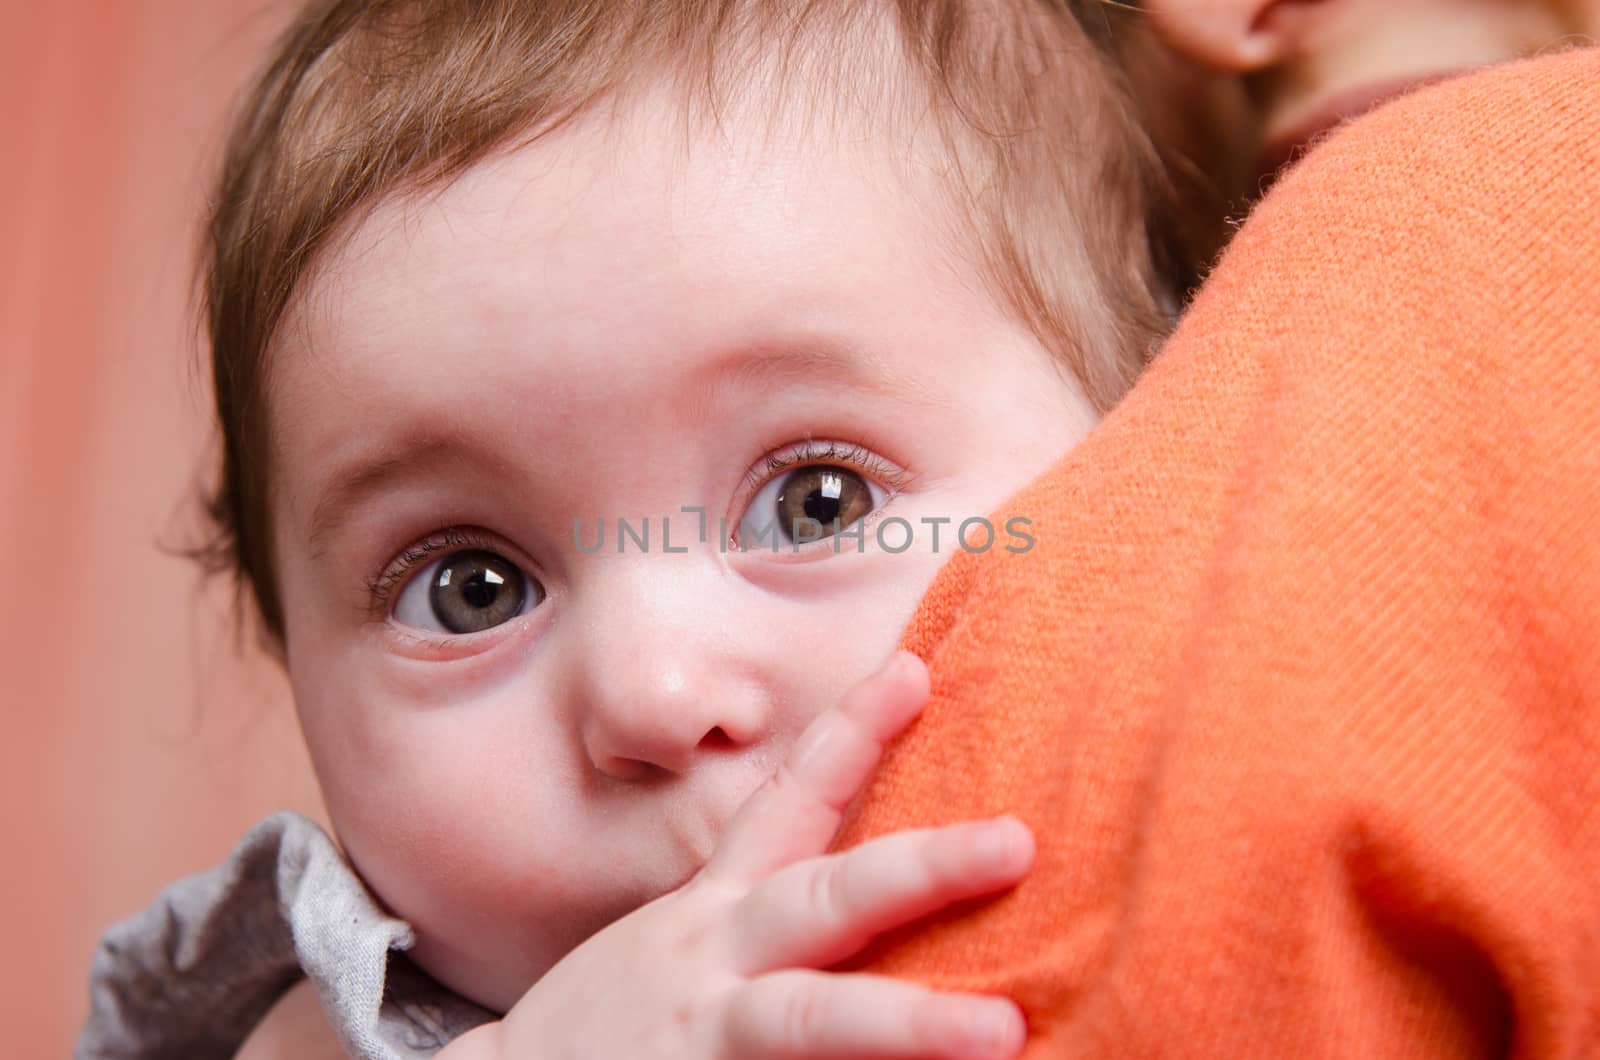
(1299, 687)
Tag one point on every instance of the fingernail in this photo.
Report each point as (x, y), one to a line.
(1003, 840)
(997, 1030)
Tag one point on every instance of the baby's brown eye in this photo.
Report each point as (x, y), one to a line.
(807, 504)
(467, 592)
(832, 496)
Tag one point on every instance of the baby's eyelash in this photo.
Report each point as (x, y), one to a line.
(382, 587)
(813, 452)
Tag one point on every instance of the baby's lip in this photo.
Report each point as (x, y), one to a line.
(1287, 145)
(696, 831)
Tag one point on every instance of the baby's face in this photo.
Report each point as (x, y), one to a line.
(528, 737)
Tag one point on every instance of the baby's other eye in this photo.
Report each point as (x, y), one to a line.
(466, 592)
(818, 500)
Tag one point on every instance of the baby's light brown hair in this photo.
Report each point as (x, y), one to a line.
(1055, 187)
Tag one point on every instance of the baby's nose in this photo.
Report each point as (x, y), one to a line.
(662, 683)
(661, 719)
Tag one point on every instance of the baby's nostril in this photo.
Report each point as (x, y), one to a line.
(715, 739)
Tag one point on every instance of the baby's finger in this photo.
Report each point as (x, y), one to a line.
(819, 1016)
(822, 910)
(795, 814)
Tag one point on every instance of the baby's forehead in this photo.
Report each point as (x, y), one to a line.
(616, 233)
(645, 184)
(721, 137)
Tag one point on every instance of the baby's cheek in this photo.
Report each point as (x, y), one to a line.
(458, 826)
(490, 913)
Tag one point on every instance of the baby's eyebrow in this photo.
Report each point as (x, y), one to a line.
(773, 362)
(762, 367)
(418, 446)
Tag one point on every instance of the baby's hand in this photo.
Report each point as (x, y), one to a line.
(724, 968)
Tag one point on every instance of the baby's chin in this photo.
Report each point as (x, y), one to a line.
(500, 916)
(494, 965)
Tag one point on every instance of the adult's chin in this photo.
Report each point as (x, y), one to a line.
(1285, 144)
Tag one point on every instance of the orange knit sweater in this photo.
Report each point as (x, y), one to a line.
(1300, 686)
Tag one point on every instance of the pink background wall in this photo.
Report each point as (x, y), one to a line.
(138, 743)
